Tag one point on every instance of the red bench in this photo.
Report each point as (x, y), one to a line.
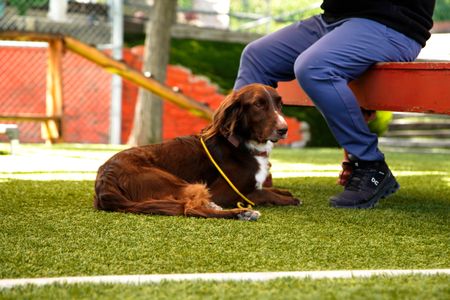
(405, 87)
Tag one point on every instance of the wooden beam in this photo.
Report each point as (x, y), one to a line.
(182, 31)
(119, 68)
(186, 31)
(27, 36)
(28, 118)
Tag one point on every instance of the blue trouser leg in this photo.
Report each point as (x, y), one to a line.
(324, 58)
(271, 58)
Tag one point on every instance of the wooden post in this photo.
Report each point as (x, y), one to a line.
(51, 129)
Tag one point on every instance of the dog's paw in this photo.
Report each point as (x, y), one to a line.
(286, 201)
(283, 192)
(249, 215)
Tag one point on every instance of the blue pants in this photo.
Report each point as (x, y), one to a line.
(324, 58)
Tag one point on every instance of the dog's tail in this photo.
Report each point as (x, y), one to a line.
(188, 202)
(194, 201)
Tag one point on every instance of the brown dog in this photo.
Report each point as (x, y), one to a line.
(176, 177)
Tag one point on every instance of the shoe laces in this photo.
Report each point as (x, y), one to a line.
(359, 178)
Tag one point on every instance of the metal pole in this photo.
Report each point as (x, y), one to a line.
(57, 10)
(269, 15)
(116, 17)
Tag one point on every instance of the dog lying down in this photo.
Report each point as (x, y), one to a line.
(177, 177)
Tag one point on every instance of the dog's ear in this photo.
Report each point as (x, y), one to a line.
(226, 117)
(228, 114)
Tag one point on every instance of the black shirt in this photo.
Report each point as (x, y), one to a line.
(410, 17)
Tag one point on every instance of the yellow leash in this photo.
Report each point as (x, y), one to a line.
(239, 204)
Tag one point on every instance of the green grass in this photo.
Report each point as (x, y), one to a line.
(49, 228)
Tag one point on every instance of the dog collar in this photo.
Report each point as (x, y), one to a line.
(234, 140)
(259, 153)
(258, 149)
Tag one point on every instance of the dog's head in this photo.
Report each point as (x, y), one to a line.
(252, 113)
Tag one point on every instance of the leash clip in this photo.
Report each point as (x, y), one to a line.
(241, 205)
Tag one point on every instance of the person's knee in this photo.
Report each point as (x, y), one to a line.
(250, 52)
(250, 68)
(307, 72)
(311, 73)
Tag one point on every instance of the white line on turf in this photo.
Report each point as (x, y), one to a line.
(246, 276)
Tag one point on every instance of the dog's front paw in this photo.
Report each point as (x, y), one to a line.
(249, 215)
(282, 192)
(287, 201)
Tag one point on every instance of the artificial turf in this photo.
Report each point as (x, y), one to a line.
(49, 228)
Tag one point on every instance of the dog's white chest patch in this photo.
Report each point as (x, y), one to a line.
(263, 171)
(263, 161)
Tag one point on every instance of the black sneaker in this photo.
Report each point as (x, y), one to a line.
(369, 182)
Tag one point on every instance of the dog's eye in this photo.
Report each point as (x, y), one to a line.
(260, 103)
(278, 103)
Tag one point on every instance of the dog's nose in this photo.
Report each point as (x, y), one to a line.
(282, 131)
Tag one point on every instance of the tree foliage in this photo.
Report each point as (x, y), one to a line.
(282, 7)
(23, 5)
(442, 11)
